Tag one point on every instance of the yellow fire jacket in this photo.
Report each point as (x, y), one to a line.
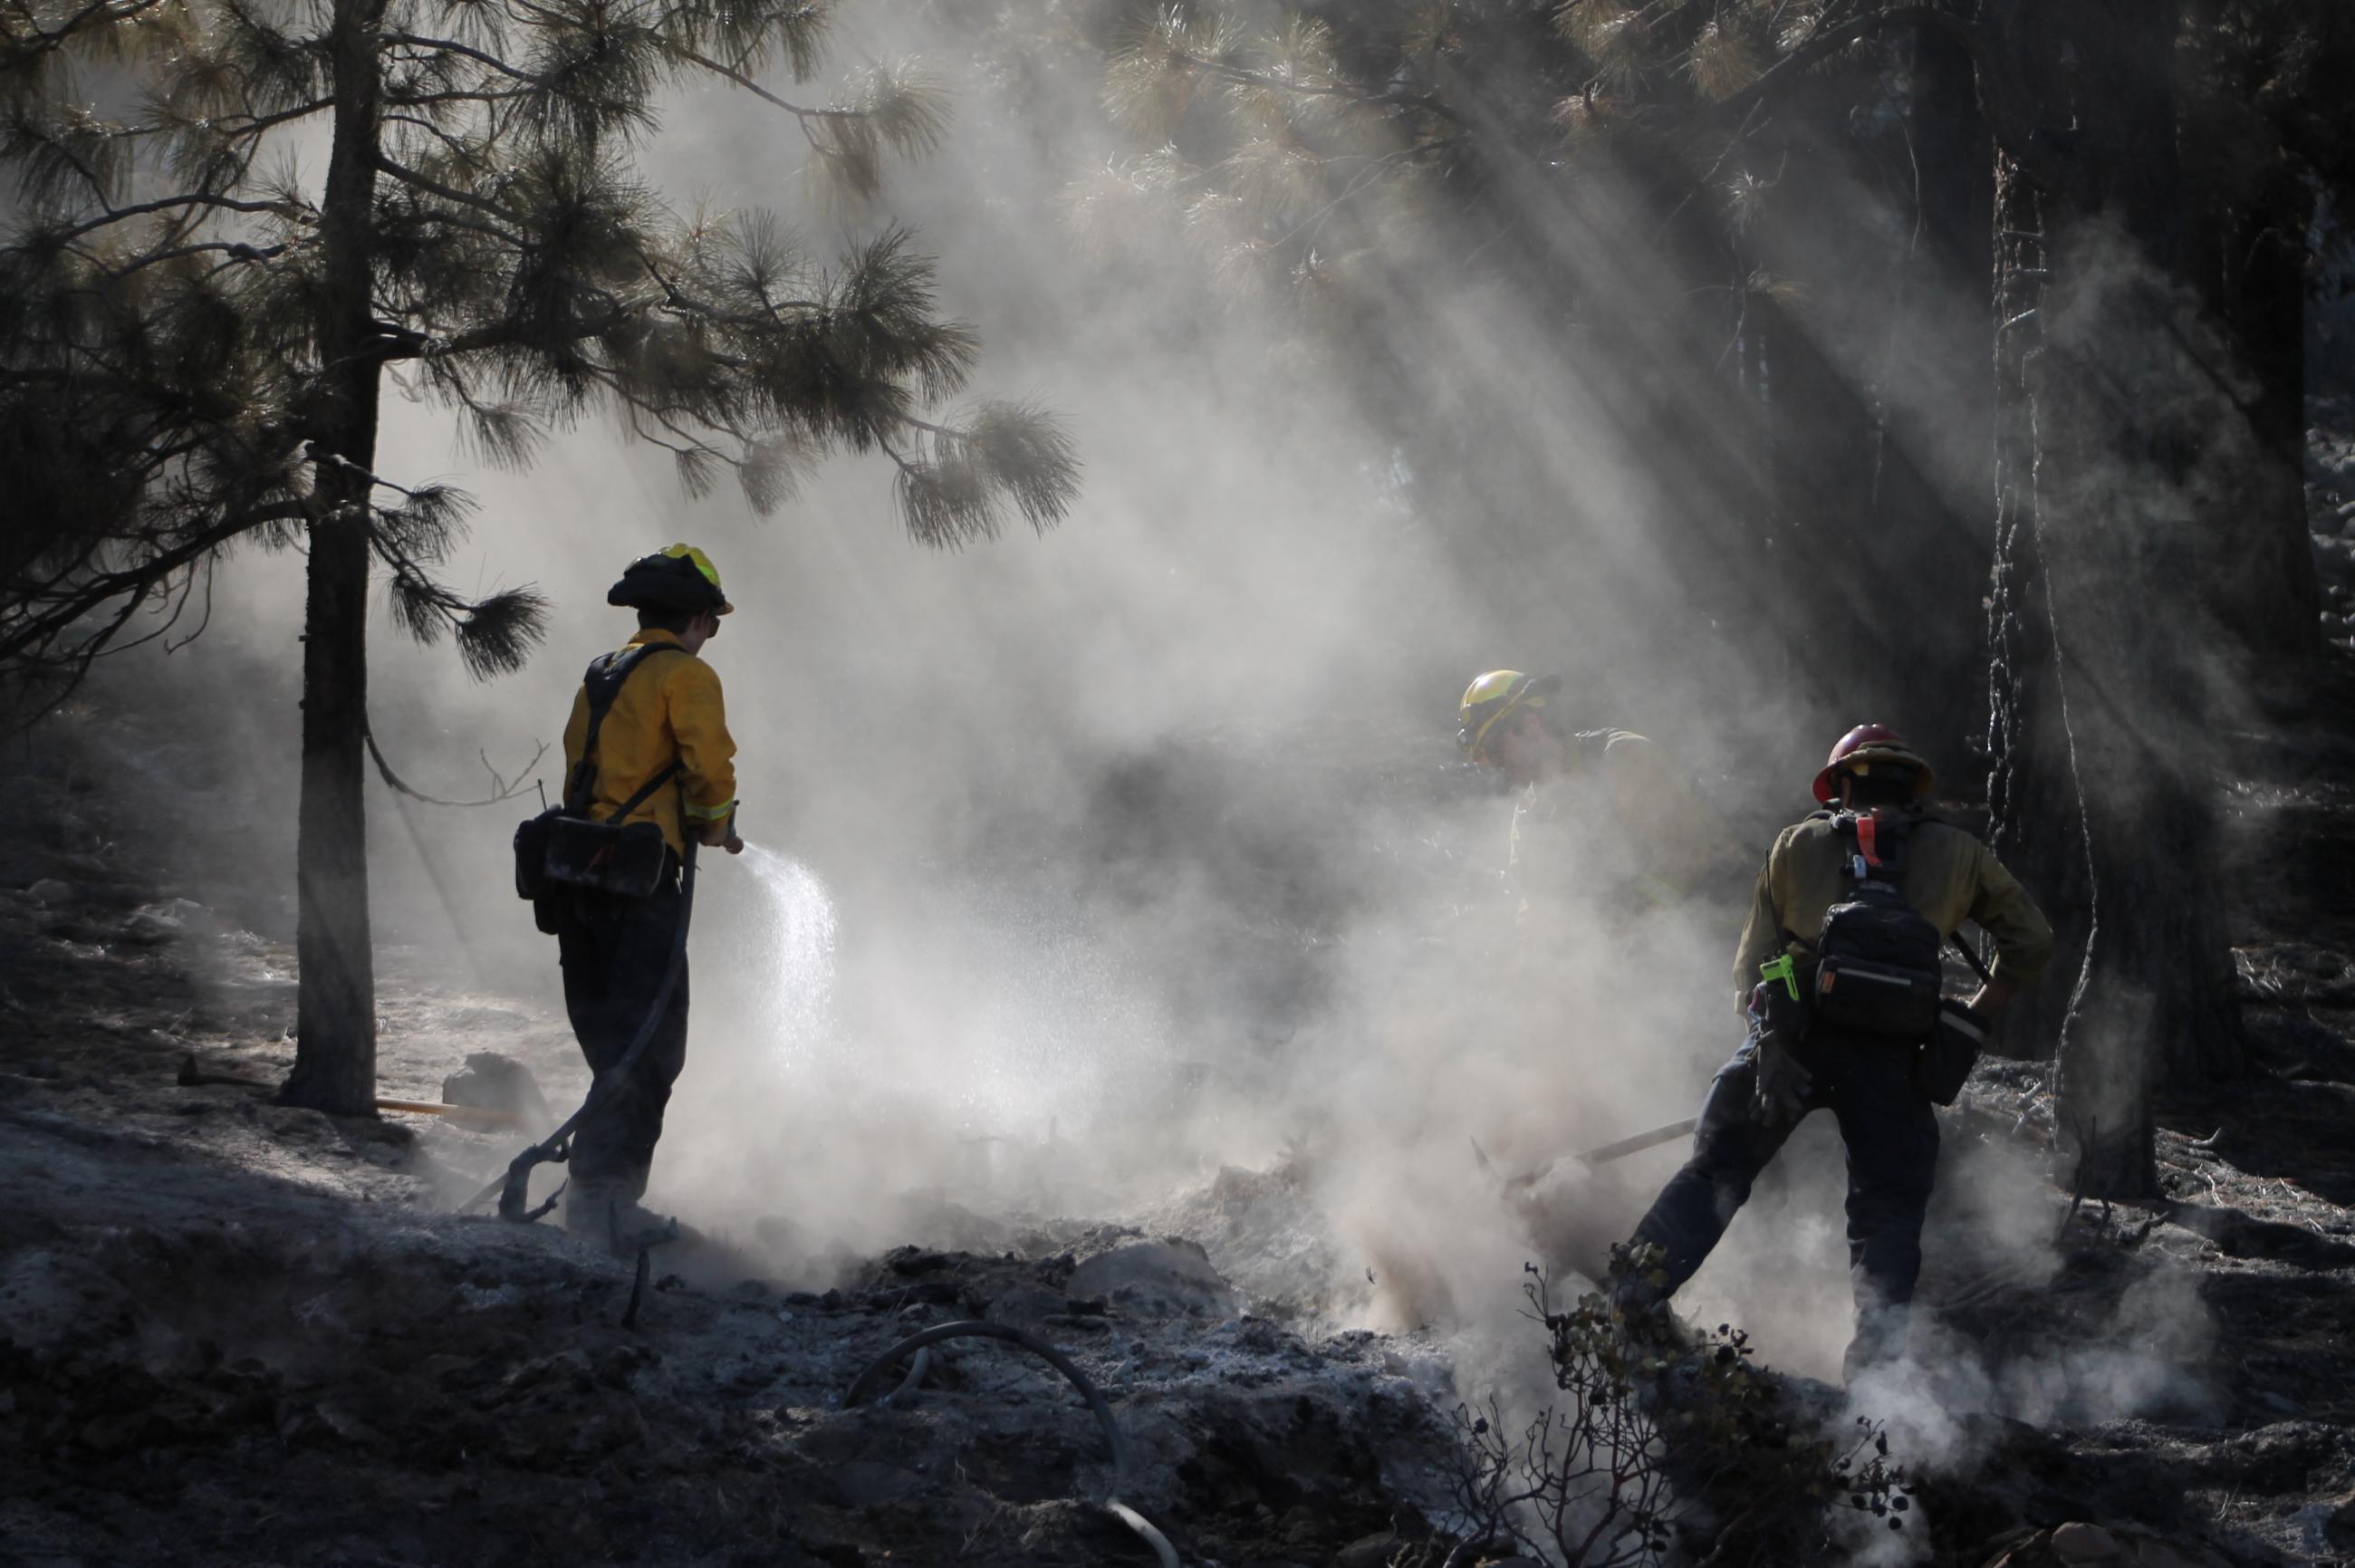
(669, 708)
(1619, 823)
(1950, 877)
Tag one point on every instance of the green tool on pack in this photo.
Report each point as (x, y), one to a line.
(1782, 968)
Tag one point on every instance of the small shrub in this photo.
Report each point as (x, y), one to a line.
(1660, 1436)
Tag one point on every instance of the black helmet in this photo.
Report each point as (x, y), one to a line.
(680, 580)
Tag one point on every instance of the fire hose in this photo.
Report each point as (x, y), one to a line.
(918, 1345)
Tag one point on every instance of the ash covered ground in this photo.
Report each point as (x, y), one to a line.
(232, 1332)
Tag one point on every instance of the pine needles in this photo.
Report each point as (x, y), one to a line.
(1293, 151)
(169, 365)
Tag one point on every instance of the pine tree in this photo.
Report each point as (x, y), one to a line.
(2110, 468)
(1667, 195)
(2265, 140)
(2141, 519)
(195, 333)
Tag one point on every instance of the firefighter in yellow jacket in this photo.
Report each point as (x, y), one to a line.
(666, 722)
(1600, 811)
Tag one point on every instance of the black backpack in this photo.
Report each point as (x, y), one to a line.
(564, 848)
(1878, 958)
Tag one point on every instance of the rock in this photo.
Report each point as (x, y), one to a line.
(1368, 1552)
(1172, 1278)
(2339, 1528)
(1026, 1304)
(495, 1081)
(2081, 1545)
(2077, 1543)
(915, 1260)
(51, 891)
(150, 929)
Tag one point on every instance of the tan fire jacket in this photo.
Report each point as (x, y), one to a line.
(1621, 823)
(1950, 877)
(671, 707)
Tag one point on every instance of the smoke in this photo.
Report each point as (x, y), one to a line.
(2140, 1358)
(2053, 1325)
(1085, 866)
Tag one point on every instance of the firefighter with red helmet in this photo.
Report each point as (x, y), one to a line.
(1838, 973)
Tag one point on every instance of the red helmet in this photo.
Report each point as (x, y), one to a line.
(1863, 746)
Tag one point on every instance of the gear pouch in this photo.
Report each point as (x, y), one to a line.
(628, 860)
(1949, 1054)
(1857, 995)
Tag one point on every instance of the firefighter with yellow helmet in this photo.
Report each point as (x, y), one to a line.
(1602, 807)
(648, 742)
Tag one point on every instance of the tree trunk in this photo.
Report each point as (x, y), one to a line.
(2245, 251)
(1879, 486)
(335, 1055)
(1942, 407)
(2102, 793)
(2266, 594)
(2033, 808)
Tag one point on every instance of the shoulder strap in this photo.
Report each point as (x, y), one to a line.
(1879, 854)
(1971, 956)
(622, 811)
(603, 680)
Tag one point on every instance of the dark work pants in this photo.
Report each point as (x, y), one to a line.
(615, 952)
(1892, 1135)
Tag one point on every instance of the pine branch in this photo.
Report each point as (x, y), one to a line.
(27, 625)
(1829, 41)
(237, 253)
(741, 80)
(502, 789)
(432, 186)
(160, 317)
(1005, 454)
(16, 48)
(450, 46)
(210, 199)
(495, 634)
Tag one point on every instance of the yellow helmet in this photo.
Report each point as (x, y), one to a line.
(1490, 698)
(679, 579)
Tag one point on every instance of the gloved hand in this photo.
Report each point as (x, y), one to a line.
(1779, 1093)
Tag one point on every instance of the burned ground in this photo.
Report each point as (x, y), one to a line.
(236, 1332)
(233, 1332)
